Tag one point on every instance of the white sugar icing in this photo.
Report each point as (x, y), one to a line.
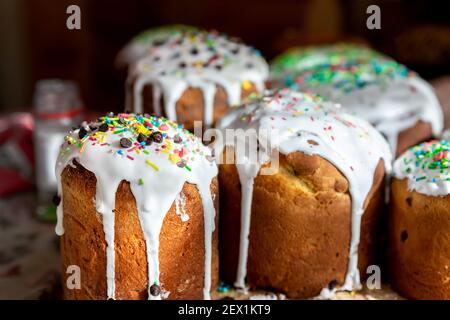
(141, 43)
(446, 134)
(156, 174)
(289, 121)
(366, 83)
(426, 168)
(199, 60)
(180, 203)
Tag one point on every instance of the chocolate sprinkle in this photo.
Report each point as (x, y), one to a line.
(155, 290)
(332, 284)
(157, 137)
(125, 143)
(177, 139)
(159, 42)
(82, 133)
(56, 200)
(141, 138)
(181, 163)
(103, 127)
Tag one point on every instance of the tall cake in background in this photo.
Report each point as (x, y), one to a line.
(145, 40)
(309, 227)
(195, 76)
(368, 84)
(419, 222)
(137, 210)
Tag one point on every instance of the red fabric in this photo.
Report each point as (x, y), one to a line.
(16, 140)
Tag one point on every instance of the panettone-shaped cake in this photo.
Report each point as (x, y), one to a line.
(137, 211)
(419, 222)
(308, 224)
(368, 84)
(195, 76)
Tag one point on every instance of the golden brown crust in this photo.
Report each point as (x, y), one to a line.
(181, 251)
(190, 106)
(300, 226)
(419, 243)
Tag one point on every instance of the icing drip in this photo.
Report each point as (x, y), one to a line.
(293, 120)
(180, 203)
(157, 157)
(199, 60)
(366, 83)
(247, 174)
(426, 166)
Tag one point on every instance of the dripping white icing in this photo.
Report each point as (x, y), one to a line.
(425, 167)
(349, 143)
(199, 60)
(377, 89)
(155, 187)
(180, 203)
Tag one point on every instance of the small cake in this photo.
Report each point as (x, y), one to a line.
(419, 222)
(141, 43)
(368, 84)
(136, 210)
(310, 226)
(195, 76)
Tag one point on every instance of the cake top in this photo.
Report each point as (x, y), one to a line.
(426, 166)
(296, 117)
(157, 157)
(366, 83)
(345, 66)
(152, 140)
(139, 44)
(202, 56)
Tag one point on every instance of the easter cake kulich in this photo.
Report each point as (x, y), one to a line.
(419, 222)
(309, 228)
(195, 76)
(137, 210)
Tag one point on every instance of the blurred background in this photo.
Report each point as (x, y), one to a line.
(36, 44)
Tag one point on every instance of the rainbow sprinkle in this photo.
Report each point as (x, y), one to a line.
(140, 135)
(431, 159)
(346, 67)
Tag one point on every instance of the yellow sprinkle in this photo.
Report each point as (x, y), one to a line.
(174, 158)
(146, 67)
(82, 148)
(246, 85)
(142, 129)
(151, 164)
